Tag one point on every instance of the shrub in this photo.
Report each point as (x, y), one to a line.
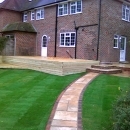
(122, 112)
(3, 41)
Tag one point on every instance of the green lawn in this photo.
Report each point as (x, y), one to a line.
(27, 97)
(98, 100)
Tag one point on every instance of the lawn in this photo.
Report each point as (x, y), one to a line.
(27, 97)
(98, 101)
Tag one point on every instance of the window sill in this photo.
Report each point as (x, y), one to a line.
(125, 20)
(115, 47)
(63, 15)
(75, 13)
(67, 46)
(40, 19)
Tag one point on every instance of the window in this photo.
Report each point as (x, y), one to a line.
(122, 43)
(125, 13)
(76, 7)
(33, 15)
(67, 39)
(44, 41)
(10, 37)
(39, 14)
(25, 17)
(116, 39)
(62, 9)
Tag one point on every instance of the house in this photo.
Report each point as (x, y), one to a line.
(80, 29)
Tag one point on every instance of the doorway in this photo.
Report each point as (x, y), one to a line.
(44, 46)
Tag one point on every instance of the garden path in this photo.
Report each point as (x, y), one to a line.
(66, 114)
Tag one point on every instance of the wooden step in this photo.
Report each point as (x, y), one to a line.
(104, 71)
(104, 66)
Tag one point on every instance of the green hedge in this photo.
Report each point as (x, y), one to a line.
(121, 112)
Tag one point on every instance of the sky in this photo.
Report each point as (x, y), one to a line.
(1, 1)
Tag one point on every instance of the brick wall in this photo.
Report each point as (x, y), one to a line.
(111, 24)
(86, 36)
(46, 27)
(8, 16)
(25, 44)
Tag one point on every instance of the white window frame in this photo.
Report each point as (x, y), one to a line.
(67, 35)
(33, 15)
(40, 11)
(63, 9)
(75, 3)
(125, 13)
(116, 37)
(25, 17)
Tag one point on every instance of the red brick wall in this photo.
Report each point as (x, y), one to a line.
(112, 23)
(86, 36)
(25, 44)
(66, 24)
(45, 26)
(8, 16)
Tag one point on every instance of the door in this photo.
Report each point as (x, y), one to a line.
(9, 48)
(123, 48)
(44, 46)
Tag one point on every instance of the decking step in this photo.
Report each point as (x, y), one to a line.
(104, 66)
(104, 71)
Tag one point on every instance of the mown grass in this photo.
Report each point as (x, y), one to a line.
(27, 97)
(98, 101)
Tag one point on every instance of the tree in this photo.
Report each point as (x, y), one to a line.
(3, 41)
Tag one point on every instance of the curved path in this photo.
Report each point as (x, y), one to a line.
(66, 114)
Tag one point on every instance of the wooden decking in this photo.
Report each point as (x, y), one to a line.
(56, 66)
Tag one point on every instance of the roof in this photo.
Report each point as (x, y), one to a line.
(19, 26)
(22, 5)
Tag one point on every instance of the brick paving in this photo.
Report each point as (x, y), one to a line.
(66, 114)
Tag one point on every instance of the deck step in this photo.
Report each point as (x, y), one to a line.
(104, 66)
(104, 71)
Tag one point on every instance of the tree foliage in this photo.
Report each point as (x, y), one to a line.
(3, 41)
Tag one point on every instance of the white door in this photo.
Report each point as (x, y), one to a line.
(123, 48)
(44, 46)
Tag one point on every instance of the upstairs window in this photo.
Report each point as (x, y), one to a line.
(33, 15)
(39, 14)
(62, 9)
(76, 7)
(25, 17)
(67, 39)
(125, 13)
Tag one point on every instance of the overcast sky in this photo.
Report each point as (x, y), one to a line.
(1, 1)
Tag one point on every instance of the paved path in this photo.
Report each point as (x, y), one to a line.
(67, 112)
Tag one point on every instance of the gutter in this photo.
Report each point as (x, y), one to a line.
(56, 23)
(99, 24)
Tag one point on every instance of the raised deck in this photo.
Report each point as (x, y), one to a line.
(51, 65)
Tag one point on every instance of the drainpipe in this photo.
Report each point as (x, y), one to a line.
(99, 22)
(56, 22)
(76, 31)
